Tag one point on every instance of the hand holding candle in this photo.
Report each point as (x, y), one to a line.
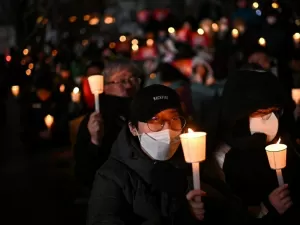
(194, 149)
(96, 86)
(277, 159)
(49, 121)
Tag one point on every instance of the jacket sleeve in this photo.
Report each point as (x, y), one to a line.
(107, 203)
(85, 154)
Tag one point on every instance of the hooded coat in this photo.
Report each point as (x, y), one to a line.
(246, 167)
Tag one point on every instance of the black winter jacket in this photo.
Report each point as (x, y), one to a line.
(132, 189)
(89, 157)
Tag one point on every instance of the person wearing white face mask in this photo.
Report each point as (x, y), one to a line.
(156, 122)
(251, 117)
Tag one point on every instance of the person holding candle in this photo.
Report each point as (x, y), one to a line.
(250, 118)
(40, 104)
(98, 131)
(138, 184)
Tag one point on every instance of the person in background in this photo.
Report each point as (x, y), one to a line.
(173, 78)
(260, 58)
(64, 78)
(40, 103)
(98, 131)
(201, 80)
(126, 188)
(239, 146)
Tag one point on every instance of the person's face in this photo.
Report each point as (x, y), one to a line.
(122, 84)
(65, 74)
(43, 94)
(166, 119)
(93, 71)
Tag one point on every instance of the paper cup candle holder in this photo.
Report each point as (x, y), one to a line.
(194, 149)
(277, 159)
(96, 86)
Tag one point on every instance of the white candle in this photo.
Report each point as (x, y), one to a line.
(277, 159)
(75, 95)
(279, 177)
(15, 90)
(49, 121)
(194, 149)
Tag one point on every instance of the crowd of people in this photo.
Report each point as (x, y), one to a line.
(232, 78)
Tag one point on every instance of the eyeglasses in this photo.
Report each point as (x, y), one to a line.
(130, 80)
(176, 123)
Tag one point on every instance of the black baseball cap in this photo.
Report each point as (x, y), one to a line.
(151, 100)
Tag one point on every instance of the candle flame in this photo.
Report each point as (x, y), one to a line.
(76, 90)
(62, 88)
(278, 142)
(49, 120)
(190, 130)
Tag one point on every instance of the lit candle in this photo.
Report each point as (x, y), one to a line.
(96, 86)
(235, 34)
(194, 149)
(215, 27)
(296, 38)
(296, 95)
(75, 95)
(49, 121)
(15, 90)
(277, 159)
(62, 88)
(262, 42)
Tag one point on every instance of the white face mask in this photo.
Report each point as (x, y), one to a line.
(160, 145)
(268, 125)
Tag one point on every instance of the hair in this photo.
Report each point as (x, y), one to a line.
(120, 65)
(98, 64)
(253, 67)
